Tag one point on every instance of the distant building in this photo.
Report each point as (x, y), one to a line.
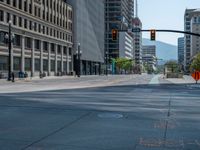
(191, 43)
(181, 50)
(89, 30)
(137, 41)
(125, 45)
(149, 56)
(149, 50)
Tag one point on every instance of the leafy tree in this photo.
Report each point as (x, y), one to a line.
(172, 66)
(195, 66)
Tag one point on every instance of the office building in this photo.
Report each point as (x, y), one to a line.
(118, 15)
(126, 46)
(89, 33)
(181, 50)
(191, 43)
(149, 50)
(42, 38)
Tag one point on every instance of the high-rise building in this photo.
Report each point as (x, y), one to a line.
(89, 34)
(181, 50)
(118, 15)
(137, 41)
(42, 38)
(191, 21)
(149, 50)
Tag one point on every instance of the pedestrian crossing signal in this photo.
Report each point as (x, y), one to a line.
(114, 34)
(153, 35)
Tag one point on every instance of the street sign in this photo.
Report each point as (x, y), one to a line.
(136, 30)
(196, 75)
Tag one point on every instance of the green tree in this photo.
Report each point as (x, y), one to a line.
(172, 66)
(195, 66)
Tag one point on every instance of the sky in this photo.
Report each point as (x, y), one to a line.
(164, 14)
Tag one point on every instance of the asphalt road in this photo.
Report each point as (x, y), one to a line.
(138, 114)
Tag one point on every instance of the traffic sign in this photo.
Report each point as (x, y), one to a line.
(196, 75)
(136, 30)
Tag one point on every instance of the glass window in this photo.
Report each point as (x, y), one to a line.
(1, 15)
(17, 63)
(27, 64)
(37, 45)
(3, 63)
(17, 40)
(45, 64)
(52, 65)
(37, 64)
(59, 66)
(28, 42)
(20, 21)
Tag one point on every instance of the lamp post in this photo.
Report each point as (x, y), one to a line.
(78, 54)
(9, 38)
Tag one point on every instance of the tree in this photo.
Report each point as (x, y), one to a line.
(195, 66)
(172, 66)
(124, 64)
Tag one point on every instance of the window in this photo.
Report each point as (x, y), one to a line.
(30, 8)
(8, 2)
(17, 63)
(39, 28)
(59, 49)
(3, 63)
(25, 6)
(1, 15)
(27, 64)
(45, 65)
(35, 26)
(43, 29)
(52, 48)
(25, 23)
(17, 40)
(37, 45)
(38, 12)
(20, 21)
(45, 46)
(20, 4)
(37, 64)
(30, 25)
(14, 20)
(28, 42)
(52, 65)
(8, 17)
(59, 66)
(14, 3)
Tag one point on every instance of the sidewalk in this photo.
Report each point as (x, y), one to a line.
(59, 83)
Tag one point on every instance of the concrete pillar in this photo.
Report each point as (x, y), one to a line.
(49, 59)
(56, 59)
(41, 56)
(23, 54)
(33, 58)
(62, 49)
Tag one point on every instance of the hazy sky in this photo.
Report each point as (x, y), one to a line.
(165, 14)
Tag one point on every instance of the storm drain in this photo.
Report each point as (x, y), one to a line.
(110, 115)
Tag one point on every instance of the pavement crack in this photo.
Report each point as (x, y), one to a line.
(57, 130)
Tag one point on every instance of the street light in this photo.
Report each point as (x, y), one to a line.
(78, 54)
(9, 39)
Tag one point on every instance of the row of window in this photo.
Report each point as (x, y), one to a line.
(17, 42)
(28, 62)
(34, 26)
(27, 7)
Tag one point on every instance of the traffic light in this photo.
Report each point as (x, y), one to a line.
(114, 34)
(153, 35)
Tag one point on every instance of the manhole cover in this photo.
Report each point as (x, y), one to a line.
(110, 115)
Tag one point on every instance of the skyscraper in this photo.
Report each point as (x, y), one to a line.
(118, 15)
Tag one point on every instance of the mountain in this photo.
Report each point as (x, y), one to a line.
(164, 50)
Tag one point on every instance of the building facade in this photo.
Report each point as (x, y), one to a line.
(149, 50)
(191, 43)
(89, 33)
(42, 39)
(181, 50)
(126, 46)
(118, 15)
(137, 40)
(149, 56)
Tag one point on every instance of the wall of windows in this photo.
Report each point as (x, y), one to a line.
(3, 63)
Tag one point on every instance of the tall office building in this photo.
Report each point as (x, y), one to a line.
(149, 50)
(42, 38)
(137, 40)
(118, 15)
(89, 33)
(181, 50)
(192, 24)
